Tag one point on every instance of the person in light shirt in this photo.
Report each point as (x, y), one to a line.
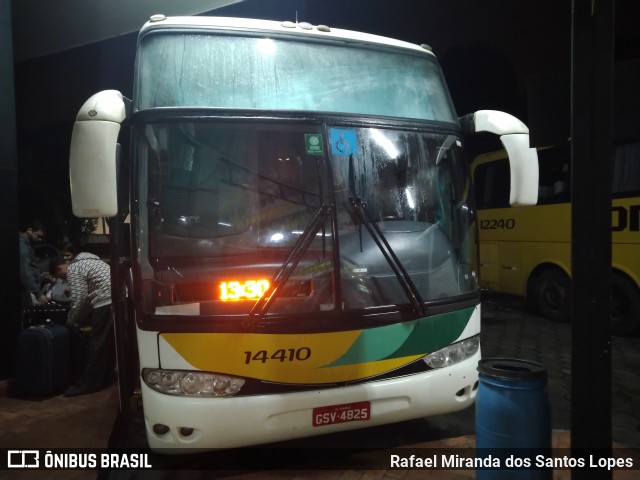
(90, 281)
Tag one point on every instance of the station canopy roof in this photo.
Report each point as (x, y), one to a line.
(43, 27)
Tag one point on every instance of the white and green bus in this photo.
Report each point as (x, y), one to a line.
(302, 254)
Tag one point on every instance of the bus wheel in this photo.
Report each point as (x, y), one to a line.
(551, 295)
(625, 306)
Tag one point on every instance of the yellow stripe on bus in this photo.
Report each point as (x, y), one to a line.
(291, 358)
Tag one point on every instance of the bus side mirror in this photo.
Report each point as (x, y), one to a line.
(523, 160)
(92, 156)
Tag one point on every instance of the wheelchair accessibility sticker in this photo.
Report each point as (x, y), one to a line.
(343, 142)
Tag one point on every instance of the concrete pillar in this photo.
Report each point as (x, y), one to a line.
(9, 223)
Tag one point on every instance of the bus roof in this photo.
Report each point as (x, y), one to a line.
(303, 29)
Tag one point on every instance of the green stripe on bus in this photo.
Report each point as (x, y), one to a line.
(418, 337)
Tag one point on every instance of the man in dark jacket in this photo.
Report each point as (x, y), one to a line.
(30, 233)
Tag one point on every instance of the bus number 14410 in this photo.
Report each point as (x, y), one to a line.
(289, 355)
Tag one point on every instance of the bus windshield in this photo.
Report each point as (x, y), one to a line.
(233, 207)
(174, 70)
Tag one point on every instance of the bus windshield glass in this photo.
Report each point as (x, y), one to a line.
(174, 70)
(232, 207)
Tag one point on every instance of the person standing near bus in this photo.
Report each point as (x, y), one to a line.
(90, 282)
(30, 280)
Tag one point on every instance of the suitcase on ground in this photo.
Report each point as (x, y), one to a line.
(42, 363)
(44, 314)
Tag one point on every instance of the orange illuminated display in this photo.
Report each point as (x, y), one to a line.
(246, 290)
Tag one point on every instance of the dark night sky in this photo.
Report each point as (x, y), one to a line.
(470, 36)
(488, 49)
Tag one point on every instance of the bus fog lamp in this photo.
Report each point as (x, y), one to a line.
(153, 377)
(470, 345)
(160, 429)
(168, 380)
(191, 384)
(452, 354)
(436, 359)
(220, 385)
(456, 353)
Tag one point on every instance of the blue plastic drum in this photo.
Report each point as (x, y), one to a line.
(512, 417)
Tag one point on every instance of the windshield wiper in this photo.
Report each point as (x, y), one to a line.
(261, 307)
(406, 283)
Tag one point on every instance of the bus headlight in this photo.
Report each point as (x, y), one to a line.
(190, 383)
(452, 354)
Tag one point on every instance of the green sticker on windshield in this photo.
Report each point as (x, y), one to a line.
(313, 143)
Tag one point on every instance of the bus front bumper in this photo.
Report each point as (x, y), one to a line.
(194, 424)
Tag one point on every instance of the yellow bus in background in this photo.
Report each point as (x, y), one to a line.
(526, 251)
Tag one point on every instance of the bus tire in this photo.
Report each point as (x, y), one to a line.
(551, 295)
(625, 306)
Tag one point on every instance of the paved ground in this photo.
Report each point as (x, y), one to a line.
(508, 331)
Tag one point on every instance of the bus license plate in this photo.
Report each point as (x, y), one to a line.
(347, 412)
